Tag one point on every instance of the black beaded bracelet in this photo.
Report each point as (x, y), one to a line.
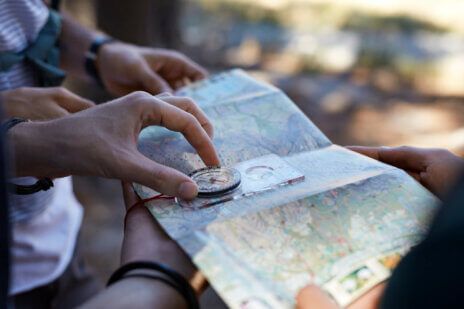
(91, 57)
(42, 184)
(177, 282)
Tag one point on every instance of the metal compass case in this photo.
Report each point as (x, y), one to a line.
(287, 207)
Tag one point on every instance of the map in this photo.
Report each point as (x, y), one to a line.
(344, 227)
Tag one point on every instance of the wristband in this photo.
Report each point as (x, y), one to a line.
(177, 282)
(91, 57)
(9, 123)
(42, 184)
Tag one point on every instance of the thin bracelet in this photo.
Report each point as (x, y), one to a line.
(178, 282)
(43, 184)
(154, 277)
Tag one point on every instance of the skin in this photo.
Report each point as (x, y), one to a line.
(141, 292)
(125, 68)
(436, 169)
(42, 103)
(101, 141)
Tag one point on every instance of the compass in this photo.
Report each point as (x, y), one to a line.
(215, 180)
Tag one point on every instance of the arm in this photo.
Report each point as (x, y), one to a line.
(101, 141)
(75, 41)
(125, 68)
(436, 169)
(141, 228)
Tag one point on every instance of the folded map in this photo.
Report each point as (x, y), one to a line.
(343, 227)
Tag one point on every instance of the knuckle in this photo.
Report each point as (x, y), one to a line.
(191, 121)
(405, 148)
(440, 152)
(178, 55)
(140, 95)
(61, 92)
(161, 175)
(188, 102)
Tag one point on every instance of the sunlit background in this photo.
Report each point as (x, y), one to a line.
(368, 72)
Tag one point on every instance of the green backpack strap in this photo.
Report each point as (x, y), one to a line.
(43, 54)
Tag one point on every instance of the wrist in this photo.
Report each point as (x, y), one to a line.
(33, 150)
(6, 98)
(92, 57)
(141, 228)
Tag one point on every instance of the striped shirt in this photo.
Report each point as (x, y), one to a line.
(45, 224)
(16, 35)
(20, 22)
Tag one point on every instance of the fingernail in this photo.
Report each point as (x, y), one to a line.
(187, 190)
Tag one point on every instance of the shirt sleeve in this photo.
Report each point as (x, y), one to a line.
(432, 274)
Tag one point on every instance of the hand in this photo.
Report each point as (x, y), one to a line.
(102, 141)
(436, 169)
(145, 240)
(125, 68)
(313, 297)
(141, 227)
(42, 103)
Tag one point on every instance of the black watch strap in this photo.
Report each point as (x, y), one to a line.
(91, 57)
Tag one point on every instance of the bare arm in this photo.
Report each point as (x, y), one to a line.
(125, 68)
(145, 240)
(75, 41)
(101, 141)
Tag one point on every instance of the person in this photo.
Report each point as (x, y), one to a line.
(113, 153)
(429, 267)
(37, 47)
(429, 276)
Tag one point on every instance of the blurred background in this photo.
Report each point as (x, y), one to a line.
(366, 72)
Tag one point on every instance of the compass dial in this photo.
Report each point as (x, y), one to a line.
(215, 180)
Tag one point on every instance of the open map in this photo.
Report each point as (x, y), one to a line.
(345, 227)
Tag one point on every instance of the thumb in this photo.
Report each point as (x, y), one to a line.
(312, 296)
(161, 178)
(73, 103)
(130, 197)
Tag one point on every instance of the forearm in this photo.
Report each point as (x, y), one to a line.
(75, 41)
(35, 152)
(144, 241)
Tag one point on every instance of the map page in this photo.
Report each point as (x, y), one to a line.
(344, 226)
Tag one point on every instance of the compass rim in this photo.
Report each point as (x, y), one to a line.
(236, 181)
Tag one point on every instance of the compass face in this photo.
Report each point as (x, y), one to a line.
(215, 180)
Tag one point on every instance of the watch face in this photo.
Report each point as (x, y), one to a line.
(215, 180)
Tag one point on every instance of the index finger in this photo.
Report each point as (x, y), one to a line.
(193, 70)
(371, 152)
(176, 119)
(404, 157)
(189, 106)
